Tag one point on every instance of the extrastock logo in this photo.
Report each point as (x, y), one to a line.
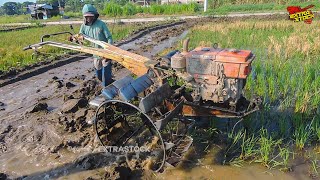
(297, 14)
(126, 149)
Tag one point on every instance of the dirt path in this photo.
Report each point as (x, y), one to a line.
(43, 129)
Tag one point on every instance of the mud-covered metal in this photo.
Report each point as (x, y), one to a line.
(122, 125)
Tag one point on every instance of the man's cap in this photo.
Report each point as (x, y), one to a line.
(88, 14)
(89, 10)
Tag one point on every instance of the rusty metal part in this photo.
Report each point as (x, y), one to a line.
(160, 124)
(155, 98)
(190, 109)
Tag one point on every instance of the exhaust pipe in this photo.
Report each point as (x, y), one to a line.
(186, 45)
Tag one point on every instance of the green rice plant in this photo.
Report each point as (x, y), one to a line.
(314, 167)
(316, 127)
(283, 156)
(234, 143)
(248, 147)
(267, 144)
(113, 9)
(157, 9)
(129, 10)
(302, 131)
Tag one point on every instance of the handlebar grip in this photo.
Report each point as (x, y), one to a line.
(27, 48)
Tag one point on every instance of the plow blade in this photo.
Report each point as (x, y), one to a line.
(155, 98)
(160, 124)
(179, 151)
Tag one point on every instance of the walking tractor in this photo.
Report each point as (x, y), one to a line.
(156, 109)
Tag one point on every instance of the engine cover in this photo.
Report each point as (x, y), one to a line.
(218, 74)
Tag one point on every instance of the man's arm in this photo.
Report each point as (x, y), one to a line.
(107, 33)
(81, 31)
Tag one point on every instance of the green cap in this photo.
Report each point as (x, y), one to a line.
(89, 10)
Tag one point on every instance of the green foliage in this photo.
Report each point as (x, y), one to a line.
(129, 9)
(14, 19)
(267, 144)
(115, 10)
(112, 9)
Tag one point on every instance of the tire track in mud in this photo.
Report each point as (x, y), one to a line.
(43, 124)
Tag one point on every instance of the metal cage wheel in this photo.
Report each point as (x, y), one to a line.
(122, 124)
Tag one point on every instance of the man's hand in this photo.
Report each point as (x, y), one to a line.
(77, 38)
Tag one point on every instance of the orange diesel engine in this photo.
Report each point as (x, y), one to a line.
(215, 74)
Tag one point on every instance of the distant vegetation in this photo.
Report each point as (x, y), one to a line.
(114, 9)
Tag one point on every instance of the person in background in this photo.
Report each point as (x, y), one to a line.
(97, 29)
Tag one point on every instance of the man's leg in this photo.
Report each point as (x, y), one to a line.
(107, 75)
(99, 74)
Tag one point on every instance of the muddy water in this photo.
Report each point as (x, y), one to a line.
(226, 172)
(206, 168)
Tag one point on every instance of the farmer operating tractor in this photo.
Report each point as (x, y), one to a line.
(158, 107)
(97, 29)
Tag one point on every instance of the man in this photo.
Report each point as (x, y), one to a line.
(97, 29)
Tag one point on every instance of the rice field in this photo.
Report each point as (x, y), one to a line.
(286, 74)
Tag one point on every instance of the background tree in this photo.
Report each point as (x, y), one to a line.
(11, 8)
(2, 11)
